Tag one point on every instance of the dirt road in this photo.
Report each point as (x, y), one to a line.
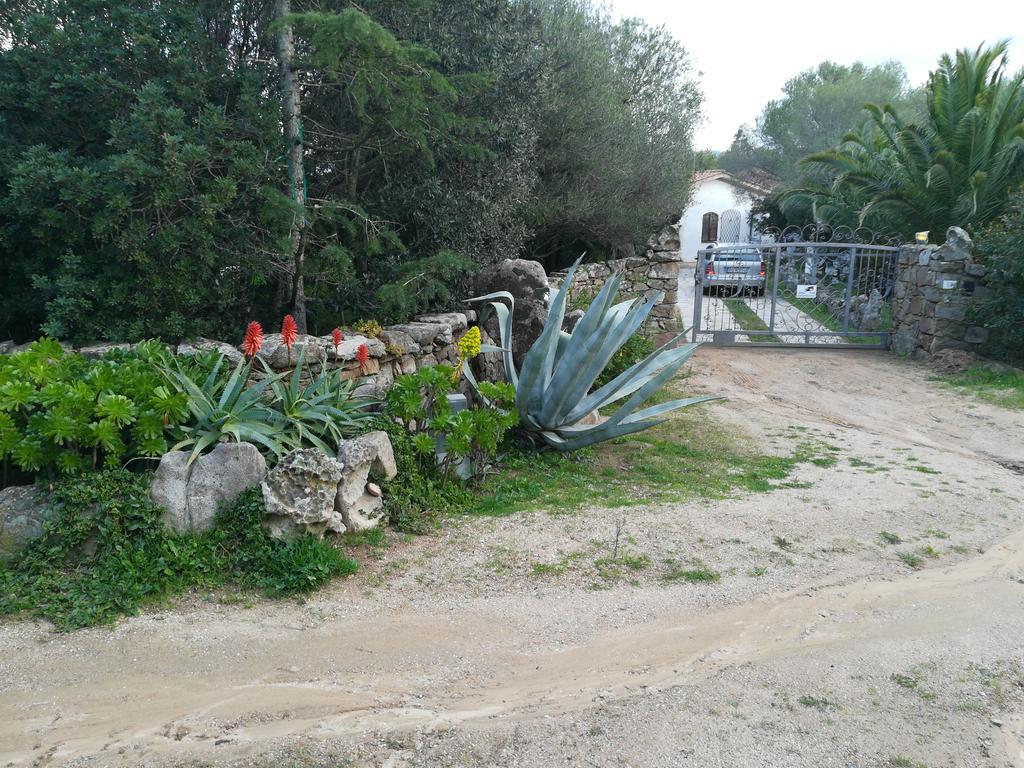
(819, 646)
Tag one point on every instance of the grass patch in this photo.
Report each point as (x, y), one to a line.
(889, 538)
(691, 575)
(899, 761)
(687, 457)
(817, 702)
(1002, 388)
(912, 683)
(909, 558)
(106, 554)
(757, 571)
(748, 319)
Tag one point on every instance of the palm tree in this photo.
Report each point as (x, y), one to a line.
(958, 167)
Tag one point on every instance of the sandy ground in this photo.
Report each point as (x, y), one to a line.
(818, 646)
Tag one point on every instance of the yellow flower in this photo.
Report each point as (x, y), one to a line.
(469, 344)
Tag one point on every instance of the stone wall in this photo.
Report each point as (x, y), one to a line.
(934, 289)
(426, 340)
(658, 270)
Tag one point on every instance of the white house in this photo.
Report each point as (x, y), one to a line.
(719, 211)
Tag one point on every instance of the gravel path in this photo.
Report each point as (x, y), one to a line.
(819, 646)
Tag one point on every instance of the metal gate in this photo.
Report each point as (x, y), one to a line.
(795, 294)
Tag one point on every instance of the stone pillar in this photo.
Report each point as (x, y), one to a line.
(933, 293)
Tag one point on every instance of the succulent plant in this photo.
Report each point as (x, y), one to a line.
(553, 388)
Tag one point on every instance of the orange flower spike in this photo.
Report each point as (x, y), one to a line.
(337, 337)
(253, 339)
(289, 331)
(362, 356)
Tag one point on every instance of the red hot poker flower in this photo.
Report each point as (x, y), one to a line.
(253, 339)
(337, 336)
(362, 355)
(289, 331)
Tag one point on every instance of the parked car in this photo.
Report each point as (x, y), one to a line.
(737, 270)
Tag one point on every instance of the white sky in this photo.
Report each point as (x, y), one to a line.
(745, 51)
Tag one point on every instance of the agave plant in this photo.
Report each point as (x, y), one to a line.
(227, 411)
(553, 388)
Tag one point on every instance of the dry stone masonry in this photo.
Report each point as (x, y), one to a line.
(934, 290)
(657, 270)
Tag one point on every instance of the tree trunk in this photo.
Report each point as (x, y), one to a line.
(291, 108)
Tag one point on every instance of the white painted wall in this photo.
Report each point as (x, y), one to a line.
(715, 196)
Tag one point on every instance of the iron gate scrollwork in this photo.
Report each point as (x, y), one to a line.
(796, 293)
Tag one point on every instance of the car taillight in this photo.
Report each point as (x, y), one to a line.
(764, 269)
(709, 269)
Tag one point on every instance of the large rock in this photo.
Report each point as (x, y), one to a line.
(399, 340)
(100, 351)
(426, 334)
(361, 508)
(300, 492)
(666, 239)
(23, 513)
(869, 316)
(276, 354)
(349, 347)
(528, 283)
(957, 247)
(190, 495)
(7, 347)
(457, 321)
(210, 345)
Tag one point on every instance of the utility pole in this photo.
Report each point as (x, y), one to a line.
(291, 108)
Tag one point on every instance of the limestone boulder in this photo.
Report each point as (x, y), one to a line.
(23, 513)
(276, 354)
(572, 317)
(299, 494)
(426, 334)
(457, 321)
(100, 351)
(665, 239)
(400, 341)
(359, 507)
(528, 283)
(191, 495)
(349, 347)
(230, 353)
(957, 247)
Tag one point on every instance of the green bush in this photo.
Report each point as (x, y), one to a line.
(1001, 248)
(636, 348)
(420, 402)
(419, 494)
(61, 413)
(106, 553)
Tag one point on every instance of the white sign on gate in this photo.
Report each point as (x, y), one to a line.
(807, 291)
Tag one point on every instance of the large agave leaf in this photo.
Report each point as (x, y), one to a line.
(504, 315)
(634, 377)
(539, 362)
(585, 360)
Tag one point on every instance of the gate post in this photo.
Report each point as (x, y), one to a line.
(698, 294)
(849, 291)
(933, 291)
(775, 287)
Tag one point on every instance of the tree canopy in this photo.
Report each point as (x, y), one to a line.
(144, 183)
(817, 108)
(955, 165)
